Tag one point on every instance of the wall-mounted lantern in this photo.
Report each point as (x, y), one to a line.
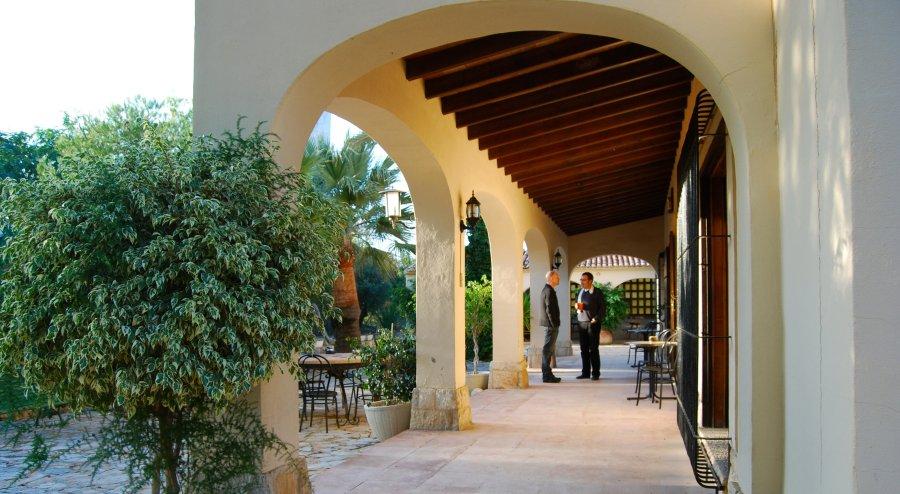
(557, 259)
(473, 214)
(392, 207)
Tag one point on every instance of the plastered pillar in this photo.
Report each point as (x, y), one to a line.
(508, 369)
(440, 400)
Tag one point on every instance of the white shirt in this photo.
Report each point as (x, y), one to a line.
(582, 315)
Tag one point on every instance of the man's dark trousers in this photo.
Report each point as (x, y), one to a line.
(549, 350)
(589, 338)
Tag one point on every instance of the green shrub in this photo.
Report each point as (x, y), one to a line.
(389, 365)
(157, 277)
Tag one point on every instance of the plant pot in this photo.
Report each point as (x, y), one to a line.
(606, 337)
(476, 381)
(387, 420)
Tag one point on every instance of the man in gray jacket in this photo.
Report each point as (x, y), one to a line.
(550, 323)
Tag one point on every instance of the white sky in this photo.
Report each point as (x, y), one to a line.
(82, 56)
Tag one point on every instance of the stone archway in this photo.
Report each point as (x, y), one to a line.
(732, 57)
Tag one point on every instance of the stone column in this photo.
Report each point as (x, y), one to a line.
(508, 368)
(440, 400)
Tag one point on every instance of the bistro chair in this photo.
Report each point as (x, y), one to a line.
(360, 393)
(317, 388)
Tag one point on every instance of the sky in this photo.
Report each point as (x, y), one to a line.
(81, 56)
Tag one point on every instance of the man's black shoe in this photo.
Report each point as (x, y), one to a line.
(583, 376)
(552, 379)
(595, 378)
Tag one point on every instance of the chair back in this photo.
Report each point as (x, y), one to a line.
(316, 373)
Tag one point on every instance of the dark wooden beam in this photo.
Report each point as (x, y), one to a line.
(609, 155)
(590, 169)
(581, 123)
(564, 50)
(474, 51)
(577, 194)
(607, 213)
(549, 76)
(625, 198)
(597, 223)
(667, 85)
(575, 230)
(470, 110)
(588, 146)
(614, 178)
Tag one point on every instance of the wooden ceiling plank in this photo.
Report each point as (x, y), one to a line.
(592, 168)
(629, 198)
(556, 74)
(669, 84)
(470, 110)
(572, 124)
(474, 51)
(563, 196)
(600, 226)
(609, 154)
(501, 69)
(608, 212)
(583, 133)
(619, 177)
(572, 150)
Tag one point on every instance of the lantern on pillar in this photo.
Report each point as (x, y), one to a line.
(473, 214)
(557, 259)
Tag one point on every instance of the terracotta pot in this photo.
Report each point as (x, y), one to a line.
(387, 420)
(479, 381)
(606, 337)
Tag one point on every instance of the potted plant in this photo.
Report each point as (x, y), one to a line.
(616, 311)
(479, 318)
(389, 367)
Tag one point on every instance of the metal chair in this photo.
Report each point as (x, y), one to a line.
(317, 388)
(359, 391)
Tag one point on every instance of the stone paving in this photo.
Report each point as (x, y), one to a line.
(575, 436)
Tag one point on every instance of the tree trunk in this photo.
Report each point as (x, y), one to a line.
(168, 450)
(347, 300)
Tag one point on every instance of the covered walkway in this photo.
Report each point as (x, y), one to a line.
(575, 436)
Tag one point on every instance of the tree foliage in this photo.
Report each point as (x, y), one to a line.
(353, 179)
(479, 320)
(22, 154)
(389, 365)
(153, 273)
(478, 254)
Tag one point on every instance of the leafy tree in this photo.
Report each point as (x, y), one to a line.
(389, 365)
(616, 305)
(373, 287)
(400, 311)
(478, 254)
(352, 179)
(157, 277)
(21, 153)
(479, 321)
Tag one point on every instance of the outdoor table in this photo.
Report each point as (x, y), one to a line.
(649, 348)
(338, 366)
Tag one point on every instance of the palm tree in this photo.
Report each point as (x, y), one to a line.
(352, 177)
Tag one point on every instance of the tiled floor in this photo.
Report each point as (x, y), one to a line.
(575, 436)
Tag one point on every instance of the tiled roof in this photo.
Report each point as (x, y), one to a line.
(613, 261)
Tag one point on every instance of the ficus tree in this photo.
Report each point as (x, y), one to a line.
(157, 276)
(479, 320)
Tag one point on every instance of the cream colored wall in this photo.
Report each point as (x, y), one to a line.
(837, 85)
(284, 62)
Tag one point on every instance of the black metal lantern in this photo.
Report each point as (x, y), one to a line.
(557, 259)
(473, 214)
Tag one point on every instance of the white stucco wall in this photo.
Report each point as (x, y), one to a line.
(838, 83)
(285, 62)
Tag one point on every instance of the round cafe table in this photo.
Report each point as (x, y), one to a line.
(338, 364)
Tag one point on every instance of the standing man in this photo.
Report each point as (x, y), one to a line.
(591, 307)
(550, 322)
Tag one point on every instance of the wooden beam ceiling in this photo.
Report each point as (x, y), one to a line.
(587, 126)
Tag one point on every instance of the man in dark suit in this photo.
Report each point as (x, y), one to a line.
(591, 307)
(549, 321)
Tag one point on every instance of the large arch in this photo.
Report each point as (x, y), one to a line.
(732, 57)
